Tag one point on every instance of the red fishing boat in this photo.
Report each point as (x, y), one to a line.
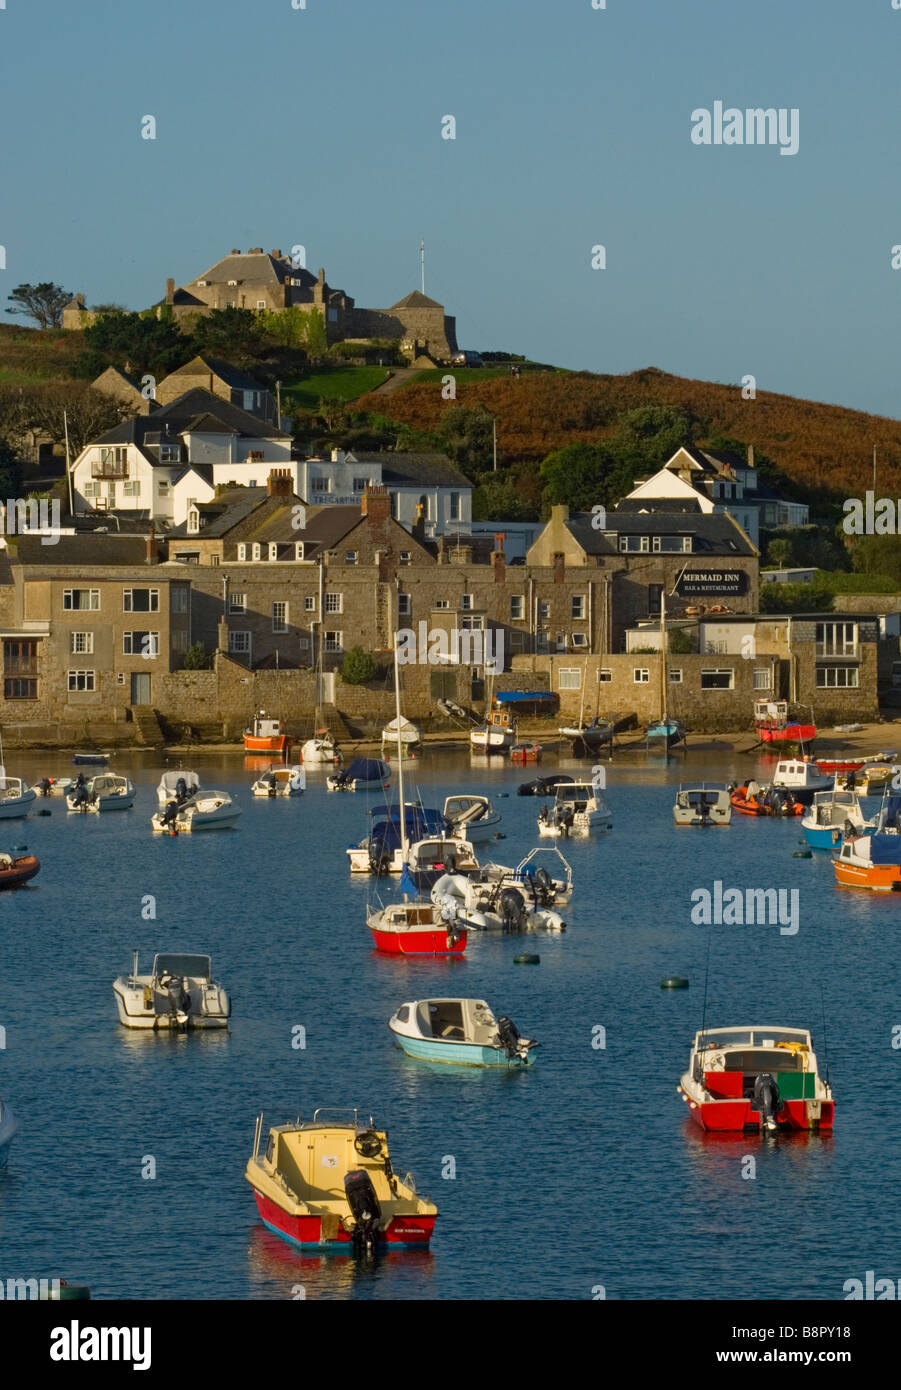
(17, 869)
(525, 753)
(267, 736)
(415, 929)
(756, 1078)
(833, 766)
(771, 720)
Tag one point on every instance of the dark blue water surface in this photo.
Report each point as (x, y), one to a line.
(584, 1171)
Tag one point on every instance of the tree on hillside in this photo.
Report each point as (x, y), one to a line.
(10, 469)
(44, 303)
(50, 407)
(140, 343)
(498, 498)
(580, 476)
(877, 555)
(465, 433)
(586, 475)
(236, 335)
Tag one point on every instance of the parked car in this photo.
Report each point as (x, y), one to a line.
(467, 359)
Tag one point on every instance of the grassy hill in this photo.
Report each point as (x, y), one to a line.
(821, 447)
(28, 357)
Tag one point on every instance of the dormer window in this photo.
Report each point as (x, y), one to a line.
(256, 550)
(273, 550)
(242, 550)
(233, 282)
(193, 521)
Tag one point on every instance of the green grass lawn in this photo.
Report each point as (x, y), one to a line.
(346, 383)
(20, 376)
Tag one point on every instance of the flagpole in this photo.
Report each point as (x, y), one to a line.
(422, 263)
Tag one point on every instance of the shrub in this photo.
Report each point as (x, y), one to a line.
(197, 658)
(358, 667)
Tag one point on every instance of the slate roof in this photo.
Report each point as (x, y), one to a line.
(714, 533)
(417, 300)
(414, 469)
(196, 409)
(254, 268)
(222, 513)
(232, 376)
(86, 549)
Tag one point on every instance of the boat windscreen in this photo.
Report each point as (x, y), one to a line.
(196, 966)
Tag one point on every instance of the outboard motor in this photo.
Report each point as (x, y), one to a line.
(766, 1099)
(513, 909)
(511, 1040)
(563, 818)
(181, 790)
(365, 1210)
(179, 998)
(79, 798)
(545, 893)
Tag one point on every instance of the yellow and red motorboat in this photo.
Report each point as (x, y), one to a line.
(329, 1185)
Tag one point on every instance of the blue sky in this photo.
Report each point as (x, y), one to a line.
(322, 126)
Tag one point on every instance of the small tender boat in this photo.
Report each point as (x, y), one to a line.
(496, 734)
(463, 1032)
(108, 792)
(9, 1126)
(410, 737)
(280, 781)
(53, 786)
(472, 818)
(177, 785)
(451, 710)
(479, 906)
(580, 808)
(90, 759)
(802, 778)
(873, 777)
(208, 810)
(589, 739)
(834, 816)
(756, 1078)
(415, 929)
(330, 1185)
(665, 732)
(15, 797)
(267, 736)
(179, 992)
(17, 868)
(702, 803)
(752, 799)
(544, 786)
(320, 749)
(429, 858)
(525, 753)
(873, 860)
(773, 726)
(360, 774)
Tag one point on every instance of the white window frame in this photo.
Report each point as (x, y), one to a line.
(92, 606)
(517, 608)
(334, 641)
(674, 675)
(89, 679)
(273, 550)
(239, 642)
(605, 675)
(237, 603)
(763, 678)
(129, 649)
(128, 600)
(280, 619)
(577, 608)
(404, 605)
(573, 677)
(334, 603)
(242, 551)
(309, 603)
(827, 684)
(81, 643)
(641, 675)
(717, 671)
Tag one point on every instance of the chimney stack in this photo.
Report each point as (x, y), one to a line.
(499, 565)
(151, 550)
(376, 504)
(280, 483)
(170, 290)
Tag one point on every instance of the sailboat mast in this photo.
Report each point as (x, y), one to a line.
(663, 651)
(400, 756)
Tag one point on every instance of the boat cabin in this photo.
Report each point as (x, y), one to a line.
(264, 727)
(728, 1061)
(772, 714)
(464, 810)
(451, 1020)
(799, 773)
(835, 807)
(188, 967)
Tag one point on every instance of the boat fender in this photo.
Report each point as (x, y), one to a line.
(674, 982)
(527, 958)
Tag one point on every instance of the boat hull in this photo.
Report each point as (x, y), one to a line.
(402, 1232)
(430, 941)
(275, 743)
(19, 872)
(792, 736)
(822, 837)
(879, 878)
(735, 1116)
(458, 1053)
(17, 807)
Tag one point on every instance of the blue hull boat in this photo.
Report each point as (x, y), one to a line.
(461, 1032)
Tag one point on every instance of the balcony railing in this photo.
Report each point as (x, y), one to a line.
(110, 468)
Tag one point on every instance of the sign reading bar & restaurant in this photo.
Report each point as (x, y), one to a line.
(705, 583)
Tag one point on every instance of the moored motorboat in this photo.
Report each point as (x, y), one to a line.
(90, 759)
(177, 785)
(280, 781)
(702, 803)
(267, 736)
(873, 860)
(761, 1078)
(15, 797)
(461, 1032)
(208, 810)
(400, 737)
(9, 1127)
(544, 786)
(589, 739)
(330, 1185)
(427, 859)
(542, 887)
(525, 753)
(53, 786)
(802, 777)
(179, 992)
(471, 817)
(754, 799)
(360, 774)
(580, 808)
(481, 906)
(17, 867)
(777, 729)
(833, 816)
(415, 929)
(108, 792)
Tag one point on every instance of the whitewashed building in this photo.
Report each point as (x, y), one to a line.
(422, 486)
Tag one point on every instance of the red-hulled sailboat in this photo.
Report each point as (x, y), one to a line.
(771, 720)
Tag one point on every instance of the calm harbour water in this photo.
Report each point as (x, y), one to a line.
(584, 1171)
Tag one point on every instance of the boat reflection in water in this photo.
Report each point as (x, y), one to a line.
(278, 1270)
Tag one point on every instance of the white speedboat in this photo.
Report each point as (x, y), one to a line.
(8, 1127)
(703, 803)
(178, 993)
(15, 797)
(542, 887)
(208, 810)
(471, 818)
(320, 750)
(280, 781)
(834, 816)
(108, 792)
(489, 907)
(429, 858)
(462, 1032)
(580, 808)
(802, 778)
(177, 785)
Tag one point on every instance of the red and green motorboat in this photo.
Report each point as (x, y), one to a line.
(758, 1078)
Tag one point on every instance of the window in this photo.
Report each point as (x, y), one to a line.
(256, 552)
(319, 484)
(404, 605)
(242, 550)
(81, 598)
(544, 612)
(718, 679)
(350, 557)
(672, 545)
(675, 675)
(298, 550)
(273, 550)
(239, 643)
(717, 648)
(334, 603)
(836, 639)
(630, 543)
(472, 622)
(81, 642)
(141, 644)
(237, 603)
(179, 640)
(569, 679)
(360, 484)
(405, 557)
(309, 603)
(120, 677)
(517, 608)
(261, 303)
(81, 680)
(214, 559)
(641, 675)
(441, 603)
(20, 658)
(170, 453)
(279, 616)
(188, 557)
(179, 598)
(193, 521)
(560, 641)
(605, 675)
(579, 639)
(453, 508)
(577, 607)
(334, 641)
(141, 600)
(91, 489)
(20, 688)
(162, 489)
(762, 679)
(465, 603)
(837, 677)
